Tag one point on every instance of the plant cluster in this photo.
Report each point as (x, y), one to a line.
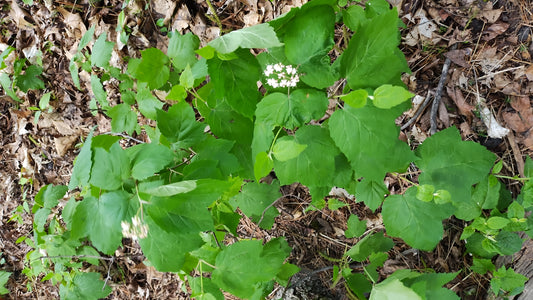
(178, 194)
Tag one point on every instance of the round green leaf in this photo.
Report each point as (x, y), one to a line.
(387, 96)
(286, 149)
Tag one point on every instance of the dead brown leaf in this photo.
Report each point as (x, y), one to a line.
(521, 120)
(64, 143)
(494, 30)
(529, 73)
(465, 109)
(458, 56)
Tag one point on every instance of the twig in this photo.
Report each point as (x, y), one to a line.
(438, 93)
(124, 136)
(421, 108)
(108, 277)
(501, 71)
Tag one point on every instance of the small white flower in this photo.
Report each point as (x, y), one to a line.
(273, 82)
(280, 75)
(269, 70)
(290, 70)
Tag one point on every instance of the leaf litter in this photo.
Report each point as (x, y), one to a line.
(493, 63)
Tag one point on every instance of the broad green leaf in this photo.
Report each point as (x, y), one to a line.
(450, 164)
(104, 141)
(219, 151)
(110, 169)
(315, 166)
(371, 192)
(497, 222)
(235, 274)
(425, 192)
(148, 104)
(3, 55)
(99, 219)
(186, 217)
(179, 125)
(7, 85)
(418, 223)
(172, 189)
(318, 72)
(202, 288)
(353, 17)
(368, 137)
(49, 195)
(508, 281)
(263, 138)
(387, 96)
(393, 290)
(85, 286)
(255, 201)
(309, 34)
(508, 243)
(40, 217)
(356, 99)
(187, 78)
(153, 68)
(178, 93)
(358, 283)
(223, 120)
(73, 69)
(123, 118)
(487, 193)
(373, 243)
(286, 149)
(258, 36)
(236, 81)
(356, 227)
(372, 57)
(86, 38)
(300, 107)
(101, 54)
(429, 285)
(99, 93)
(263, 165)
(81, 172)
(335, 204)
(482, 266)
(149, 159)
(30, 80)
(4, 277)
(181, 49)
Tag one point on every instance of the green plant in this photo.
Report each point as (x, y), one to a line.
(178, 194)
(25, 75)
(4, 277)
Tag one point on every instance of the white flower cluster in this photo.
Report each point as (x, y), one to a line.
(282, 76)
(136, 230)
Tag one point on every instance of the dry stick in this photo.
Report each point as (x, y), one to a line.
(421, 108)
(438, 93)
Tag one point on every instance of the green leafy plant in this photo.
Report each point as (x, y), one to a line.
(25, 75)
(178, 195)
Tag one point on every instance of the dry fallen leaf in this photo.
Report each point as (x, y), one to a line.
(529, 73)
(458, 56)
(521, 120)
(64, 143)
(465, 109)
(494, 30)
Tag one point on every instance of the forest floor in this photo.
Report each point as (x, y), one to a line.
(488, 43)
